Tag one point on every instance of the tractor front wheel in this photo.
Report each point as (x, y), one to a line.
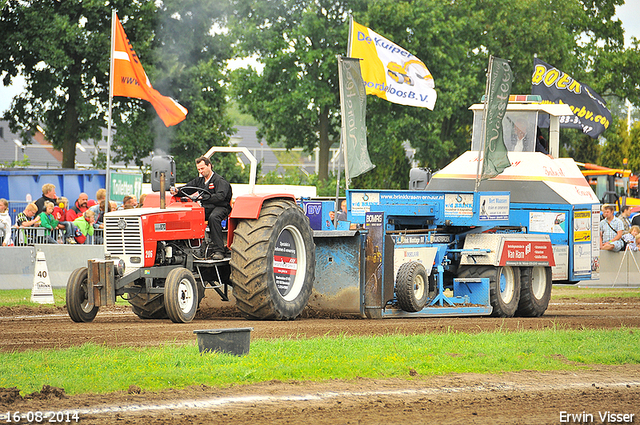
(77, 297)
(273, 262)
(180, 295)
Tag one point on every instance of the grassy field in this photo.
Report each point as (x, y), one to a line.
(92, 368)
(99, 369)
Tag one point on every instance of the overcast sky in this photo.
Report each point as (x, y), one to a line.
(629, 14)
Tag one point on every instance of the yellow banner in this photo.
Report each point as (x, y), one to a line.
(389, 71)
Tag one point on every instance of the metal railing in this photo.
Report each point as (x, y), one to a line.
(29, 236)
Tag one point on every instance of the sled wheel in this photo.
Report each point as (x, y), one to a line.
(412, 287)
(535, 291)
(180, 295)
(77, 297)
(504, 285)
(273, 262)
(148, 306)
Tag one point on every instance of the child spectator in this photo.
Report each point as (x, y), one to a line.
(5, 223)
(60, 214)
(84, 223)
(27, 219)
(48, 221)
(631, 238)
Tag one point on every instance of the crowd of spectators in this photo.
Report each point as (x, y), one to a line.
(60, 223)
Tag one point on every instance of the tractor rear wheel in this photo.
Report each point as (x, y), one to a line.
(273, 262)
(412, 287)
(181, 295)
(148, 306)
(535, 291)
(77, 297)
(504, 287)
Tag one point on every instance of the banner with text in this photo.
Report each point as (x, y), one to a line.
(554, 86)
(389, 71)
(500, 78)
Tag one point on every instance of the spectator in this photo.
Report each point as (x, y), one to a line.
(99, 214)
(28, 218)
(84, 223)
(49, 222)
(624, 215)
(79, 208)
(48, 194)
(142, 198)
(100, 195)
(60, 213)
(611, 230)
(5, 223)
(129, 202)
(630, 239)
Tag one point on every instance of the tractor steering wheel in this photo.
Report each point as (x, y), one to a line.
(188, 191)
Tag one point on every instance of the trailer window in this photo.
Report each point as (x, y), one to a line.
(518, 129)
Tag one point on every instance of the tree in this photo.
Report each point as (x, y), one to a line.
(62, 49)
(189, 65)
(617, 145)
(295, 99)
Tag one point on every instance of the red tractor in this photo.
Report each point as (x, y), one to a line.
(156, 259)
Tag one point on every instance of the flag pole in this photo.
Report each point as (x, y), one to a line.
(484, 123)
(109, 116)
(343, 130)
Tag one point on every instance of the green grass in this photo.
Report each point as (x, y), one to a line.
(15, 297)
(565, 292)
(99, 369)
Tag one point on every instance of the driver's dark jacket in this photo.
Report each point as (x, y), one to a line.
(218, 187)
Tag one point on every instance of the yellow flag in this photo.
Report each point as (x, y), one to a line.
(389, 71)
(130, 80)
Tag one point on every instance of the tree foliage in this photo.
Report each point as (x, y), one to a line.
(295, 97)
(62, 49)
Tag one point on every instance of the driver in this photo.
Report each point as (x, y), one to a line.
(216, 208)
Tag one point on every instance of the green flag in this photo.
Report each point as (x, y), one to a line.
(498, 89)
(353, 100)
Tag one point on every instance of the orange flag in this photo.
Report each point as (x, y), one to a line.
(130, 80)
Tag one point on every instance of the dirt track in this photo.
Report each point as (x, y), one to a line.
(523, 397)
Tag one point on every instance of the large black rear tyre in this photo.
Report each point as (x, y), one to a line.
(504, 287)
(273, 262)
(535, 291)
(148, 306)
(181, 295)
(412, 287)
(77, 297)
